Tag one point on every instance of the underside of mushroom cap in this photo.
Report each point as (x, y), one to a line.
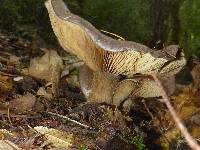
(102, 53)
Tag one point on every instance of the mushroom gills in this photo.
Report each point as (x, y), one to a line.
(105, 54)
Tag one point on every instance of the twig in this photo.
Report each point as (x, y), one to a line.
(147, 109)
(21, 116)
(191, 142)
(69, 119)
(7, 74)
(8, 114)
(12, 145)
(7, 124)
(35, 131)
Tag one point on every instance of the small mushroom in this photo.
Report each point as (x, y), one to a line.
(107, 58)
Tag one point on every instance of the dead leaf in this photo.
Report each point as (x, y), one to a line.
(195, 132)
(44, 93)
(57, 138)
(14, 60)
(73, 80)
(23, 103)
(127, 105)
(25, 84)
(6, 84)
(187, 106)
(196, 76)
(8, 145)
(43, 67)
(5, 133)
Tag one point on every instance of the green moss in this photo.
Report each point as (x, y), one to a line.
(137, 140)
(84, 148)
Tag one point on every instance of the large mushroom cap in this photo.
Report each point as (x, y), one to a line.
(102, 53)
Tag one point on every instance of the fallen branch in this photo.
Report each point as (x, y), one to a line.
(191, 142)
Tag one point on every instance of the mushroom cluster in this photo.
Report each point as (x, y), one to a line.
(107, 59)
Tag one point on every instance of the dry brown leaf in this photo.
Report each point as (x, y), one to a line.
(127, 105)
(23, 103)
(14, 60)
(165, 139)
(196, 132)
(6, 84)
(73, 80)
(4, 133)
(59, 139)
(44, 93)
(8, 145)
(196, 76)
(116, 117)
(44, 67)
(186, 104)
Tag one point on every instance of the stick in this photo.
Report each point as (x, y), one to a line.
(69, 119)
(147, 109)
(191, 142)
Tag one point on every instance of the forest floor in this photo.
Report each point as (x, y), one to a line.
(40, 110)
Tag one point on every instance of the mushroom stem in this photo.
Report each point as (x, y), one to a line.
(96, 86)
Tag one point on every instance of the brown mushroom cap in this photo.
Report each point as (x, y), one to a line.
(102, 53)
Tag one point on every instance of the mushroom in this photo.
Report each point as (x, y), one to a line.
(107, 58)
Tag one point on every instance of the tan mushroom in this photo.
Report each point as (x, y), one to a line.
(107, 58)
